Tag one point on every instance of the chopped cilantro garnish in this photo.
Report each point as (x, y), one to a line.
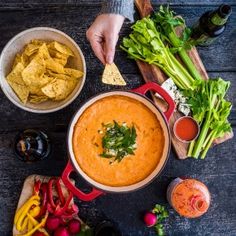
(118, 141)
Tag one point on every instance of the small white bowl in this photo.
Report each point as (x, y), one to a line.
(17, 44)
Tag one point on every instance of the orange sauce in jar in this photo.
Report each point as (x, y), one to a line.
(189, 197)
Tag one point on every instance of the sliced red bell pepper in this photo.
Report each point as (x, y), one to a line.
(44, 197)
(61, 210)
(59, 191)
(37, 185)
(73, 208)
(50, 192)
(70, 213)
(49, 208)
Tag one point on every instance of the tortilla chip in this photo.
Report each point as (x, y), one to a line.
(21, 91)
(37, 99)
(58, 56)
(73, 73)
(54, 66)
(59, 89)
(17, 84)
(62, 61)
(58, 76)
(111, 75)
(37, 42)
(35, 90)
(33, 73)
(43, 51)
(61, 48)
(22, 59)
(15, 75)
(35, 87)
(32, 47)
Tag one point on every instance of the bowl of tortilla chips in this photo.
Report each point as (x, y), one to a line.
(42, 70)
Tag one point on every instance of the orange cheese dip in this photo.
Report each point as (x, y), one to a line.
(87, 141)
(190, 198)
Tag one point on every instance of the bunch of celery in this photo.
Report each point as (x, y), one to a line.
(167, 22)
(149, 42)
(211, 110)
(145, 44)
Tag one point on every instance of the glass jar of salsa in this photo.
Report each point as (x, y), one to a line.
(189, 197)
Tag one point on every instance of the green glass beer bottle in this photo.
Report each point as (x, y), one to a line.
(211, 25)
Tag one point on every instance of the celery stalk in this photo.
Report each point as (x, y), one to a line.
(185, 57)
(166, 20)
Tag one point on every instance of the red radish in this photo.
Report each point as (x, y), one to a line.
(53, 223)
(38, 233)
(74, 226)
(61, 231)
(150, 219)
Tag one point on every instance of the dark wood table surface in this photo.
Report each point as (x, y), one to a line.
(217, 171)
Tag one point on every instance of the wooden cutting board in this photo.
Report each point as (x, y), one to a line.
(152, 73)
(27, 192)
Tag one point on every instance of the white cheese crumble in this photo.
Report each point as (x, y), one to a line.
(176, 95)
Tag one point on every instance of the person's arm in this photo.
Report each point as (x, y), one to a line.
(104, 32)
(121, 7)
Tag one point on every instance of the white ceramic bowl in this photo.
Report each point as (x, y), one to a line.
(17, 44)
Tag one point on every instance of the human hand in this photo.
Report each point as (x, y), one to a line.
(103, 35)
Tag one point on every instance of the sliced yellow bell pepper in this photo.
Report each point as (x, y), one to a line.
(34, 222)
(18, 213)
(32, 219)
(24, 223)
(37, 227)
(35, 211)
(26, 208)
(30, 225)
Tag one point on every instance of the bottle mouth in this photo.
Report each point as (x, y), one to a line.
(23, 146)
(198, 203)
(225, 10)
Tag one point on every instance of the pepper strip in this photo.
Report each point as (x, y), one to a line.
(44, 196)
(26, 209)
(18, 213)
(34, 222)
(59, 191)
(61, 210)
(70, 213)
(32, 219)
(30, 225)
(24, 224)
(35, 211)
(37, 185)
(50, 192)
(41, 224)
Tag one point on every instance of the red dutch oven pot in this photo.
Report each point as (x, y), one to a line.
(163, 117)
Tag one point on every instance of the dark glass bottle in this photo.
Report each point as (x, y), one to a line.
(32, 145)
(106, 228)
(211, 25)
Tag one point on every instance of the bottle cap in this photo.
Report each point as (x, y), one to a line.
(224, 10)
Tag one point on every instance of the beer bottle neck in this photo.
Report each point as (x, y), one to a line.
(221, 15)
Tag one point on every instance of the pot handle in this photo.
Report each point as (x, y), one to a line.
(158, 89)
(78, 193)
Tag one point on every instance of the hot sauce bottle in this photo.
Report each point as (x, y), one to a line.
(189, 197)
(211, 25)
(32, 145)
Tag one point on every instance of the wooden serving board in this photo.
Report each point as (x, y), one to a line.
(27, 192)
(152, 73)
